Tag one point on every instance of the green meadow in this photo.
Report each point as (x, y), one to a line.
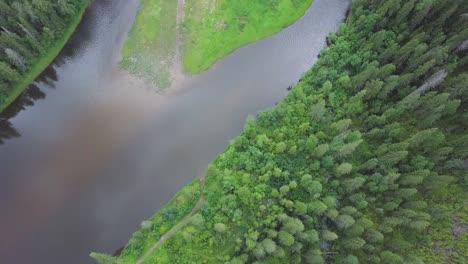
(215, 28)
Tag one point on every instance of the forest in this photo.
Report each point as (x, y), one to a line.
(32, 32)
(363, 162)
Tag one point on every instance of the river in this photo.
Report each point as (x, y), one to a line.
(89, 152)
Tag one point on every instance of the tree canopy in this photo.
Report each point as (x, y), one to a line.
(359, 163)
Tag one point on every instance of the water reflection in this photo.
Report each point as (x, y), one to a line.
(80, 40)
(27, 99)
(49, 75)
(7, 131)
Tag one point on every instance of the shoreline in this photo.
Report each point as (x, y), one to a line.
(191, 68)
(201, 179)
(44, 61)
(172, 72)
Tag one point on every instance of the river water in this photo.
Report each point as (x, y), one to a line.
(89, 152)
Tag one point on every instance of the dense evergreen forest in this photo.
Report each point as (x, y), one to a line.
(29, 29)
(363, 162)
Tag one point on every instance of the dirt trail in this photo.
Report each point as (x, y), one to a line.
(177, 72)
(178, 76)
(179, 225)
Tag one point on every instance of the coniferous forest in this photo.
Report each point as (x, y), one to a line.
(363, 162)
(29, 32)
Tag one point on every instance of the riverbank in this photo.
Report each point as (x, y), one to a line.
(169, 38)
(159, 228)
(214, 28)
(43, 62)
(139, 139)
(338, 171)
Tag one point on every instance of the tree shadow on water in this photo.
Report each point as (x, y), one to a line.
(26, 99)
(78, 42)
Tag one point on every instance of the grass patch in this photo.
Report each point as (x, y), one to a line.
(224, 245)
(212, 29)
(150, 48)
(215, 28)
(43, 62)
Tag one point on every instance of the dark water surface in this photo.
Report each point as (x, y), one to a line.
(99, 151)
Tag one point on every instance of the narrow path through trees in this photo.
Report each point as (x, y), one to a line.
(179, 225)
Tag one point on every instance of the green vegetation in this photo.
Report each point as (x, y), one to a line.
(449, 234)
(212, 29)
(32, 33)
(149, 50)
(363, 162)
(215, 28)
(153, 229)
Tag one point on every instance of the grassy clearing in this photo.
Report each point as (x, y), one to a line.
(215, 28)
(149, 50)
(43, 62)
(212, 29)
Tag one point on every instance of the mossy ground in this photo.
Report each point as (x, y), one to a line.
(149, 50)
(449, 233)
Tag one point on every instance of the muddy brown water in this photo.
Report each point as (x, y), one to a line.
(89, 152)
